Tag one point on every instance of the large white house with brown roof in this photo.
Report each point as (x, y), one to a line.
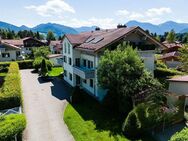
(82, 54)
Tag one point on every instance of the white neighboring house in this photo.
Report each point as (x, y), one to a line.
(9, 52)
(55, 47)
(82, 52)
(179, 86)
(56, 59)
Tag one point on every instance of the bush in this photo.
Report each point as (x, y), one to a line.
(11, 125)
(10, 95)
(37, 63)
(161, 64)
(180, 136)
(77, 95)
(44, 68)
(162, 72)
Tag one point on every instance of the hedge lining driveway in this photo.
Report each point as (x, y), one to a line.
(44, 104)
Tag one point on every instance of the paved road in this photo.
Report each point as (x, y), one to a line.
(44, 104)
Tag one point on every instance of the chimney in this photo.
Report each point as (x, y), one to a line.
(121, 26)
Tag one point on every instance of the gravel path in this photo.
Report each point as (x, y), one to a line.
(44, 104)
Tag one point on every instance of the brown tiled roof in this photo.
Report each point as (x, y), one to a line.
(179, 79)
(54, 55)
(170, 54)
(10, 45)
(14, 42)
(172, 45)
(96, 40)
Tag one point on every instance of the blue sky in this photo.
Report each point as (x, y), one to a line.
(103, 13)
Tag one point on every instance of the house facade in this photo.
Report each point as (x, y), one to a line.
(171, 54)
(26, 44)
(9, 52)
(82, 53)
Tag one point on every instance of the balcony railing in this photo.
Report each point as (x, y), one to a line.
(84, 73)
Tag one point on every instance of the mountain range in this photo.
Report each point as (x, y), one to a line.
(59, 29)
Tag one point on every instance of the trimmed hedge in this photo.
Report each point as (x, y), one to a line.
(26, 64)
(180, 136)
(11, 125)
(163, 72)
(10, 95)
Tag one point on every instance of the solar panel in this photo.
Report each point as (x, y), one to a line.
(96, 40)
(89, 40)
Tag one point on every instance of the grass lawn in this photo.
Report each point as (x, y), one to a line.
(88, 121)
(56, 71)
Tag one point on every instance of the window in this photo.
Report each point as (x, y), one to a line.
(90, 64)
(70, 76)
(70, 61)
(68, 48)
(91, 83)
(5, 55)
(85, 81)
(84, 63)
(65, 59)
(65, 47)
(65, 73)
(77, 60)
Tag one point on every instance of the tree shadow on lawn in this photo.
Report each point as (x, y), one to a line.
(91, 109)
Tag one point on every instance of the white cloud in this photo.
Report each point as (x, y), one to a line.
(122, 12)
(153, 15)
(158, 11)
(101, 22)
(52, 8)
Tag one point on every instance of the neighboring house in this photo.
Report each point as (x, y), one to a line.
(170, 54)
(179, 86)
(26, 44)
(56, 59)
(9, 52)
(55, 47)
(82, 52)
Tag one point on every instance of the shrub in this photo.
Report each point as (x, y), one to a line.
(11, 125)
(44, 69)
(10, 95)
(161, 64)
(77, 95)
(162, 72)
(37, 63)
(180, 136)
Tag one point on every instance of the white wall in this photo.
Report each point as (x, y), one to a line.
(12, 56)
(180, 88)
(66, 66)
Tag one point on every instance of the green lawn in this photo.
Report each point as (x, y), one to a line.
(56, 71)
(88, 121)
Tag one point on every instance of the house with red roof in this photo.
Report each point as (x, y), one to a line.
(170, 54)
(82, 52)
(9, 52)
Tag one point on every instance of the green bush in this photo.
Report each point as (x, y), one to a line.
(180, 136)
(10, 95)
(44, 68)
(160, 64)
(37, 63)
(11, 125)
(162, 72)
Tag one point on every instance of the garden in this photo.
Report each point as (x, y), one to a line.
(10, 97)
(135, 107)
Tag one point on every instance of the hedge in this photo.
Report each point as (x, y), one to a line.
(11, 125)
(180, 136)
(10, 94)
(163, 72)
(25, 64)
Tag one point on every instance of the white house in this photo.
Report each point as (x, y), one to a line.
(55, 47)
(179, 86)
(56, 59)
(82, 52)
(8, 52)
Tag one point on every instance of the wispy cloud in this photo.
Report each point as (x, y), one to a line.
(52, 8)
(150, 15)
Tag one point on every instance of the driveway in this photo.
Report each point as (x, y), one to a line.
(44, 104)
